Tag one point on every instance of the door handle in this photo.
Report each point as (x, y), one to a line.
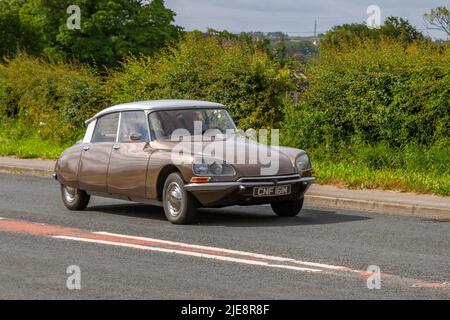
(116, 147)
(86, 148)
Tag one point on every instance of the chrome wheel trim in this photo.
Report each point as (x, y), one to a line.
(69, 194)
(174, 199)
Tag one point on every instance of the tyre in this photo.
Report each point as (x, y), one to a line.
(180, 206)
(289, 208)
(74, 199)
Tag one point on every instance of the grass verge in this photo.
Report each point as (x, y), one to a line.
(363, 177)
(32, 147)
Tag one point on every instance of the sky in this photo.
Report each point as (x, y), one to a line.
(295, 17)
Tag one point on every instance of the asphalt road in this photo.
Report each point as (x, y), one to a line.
(413, 253)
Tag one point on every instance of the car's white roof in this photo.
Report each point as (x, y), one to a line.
(157, 105)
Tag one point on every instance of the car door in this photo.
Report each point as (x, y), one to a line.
(93, 172)
(129, 158)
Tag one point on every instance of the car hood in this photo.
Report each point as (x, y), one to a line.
(248, 157)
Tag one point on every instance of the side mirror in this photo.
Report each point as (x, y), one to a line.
(135, 137)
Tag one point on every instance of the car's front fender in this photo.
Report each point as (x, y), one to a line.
(66, 168)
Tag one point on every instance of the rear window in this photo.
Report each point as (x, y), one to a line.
(106, 128)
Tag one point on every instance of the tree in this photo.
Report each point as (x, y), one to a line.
(15, 33)
(401, 29)
(393, 27)
(438, 19)
(346, 33)
(109, 31)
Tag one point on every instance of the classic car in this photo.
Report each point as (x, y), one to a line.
(129, 152)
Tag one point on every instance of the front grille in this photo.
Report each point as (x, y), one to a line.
(272, 179)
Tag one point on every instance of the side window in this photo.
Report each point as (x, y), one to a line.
(133, 127)
(156, 127)
(106, 128)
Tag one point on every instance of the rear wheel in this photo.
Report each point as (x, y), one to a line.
(180, 206)
(73, 198)
(289, 208)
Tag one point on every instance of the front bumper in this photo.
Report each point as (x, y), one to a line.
(240, 192)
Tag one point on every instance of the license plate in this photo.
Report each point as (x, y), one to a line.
(272, 191)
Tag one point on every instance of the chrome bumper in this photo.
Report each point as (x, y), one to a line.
(227, 186)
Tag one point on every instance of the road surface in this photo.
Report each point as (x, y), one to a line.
(128, 250)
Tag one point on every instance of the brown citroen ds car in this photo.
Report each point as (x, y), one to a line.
(159, 152)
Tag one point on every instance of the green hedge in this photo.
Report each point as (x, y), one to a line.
(228, 71)
(51, 100)
(48, 100)
(376, 91)
(377, 114)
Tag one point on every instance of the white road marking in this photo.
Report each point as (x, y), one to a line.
(188, 253)
(143, 243)
(243, 253)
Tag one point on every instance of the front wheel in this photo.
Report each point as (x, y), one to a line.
(73, 198)
(289, 208)
(180, 206)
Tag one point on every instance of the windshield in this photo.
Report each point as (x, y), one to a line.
(164, 123)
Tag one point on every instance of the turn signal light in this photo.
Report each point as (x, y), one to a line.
(200, 179)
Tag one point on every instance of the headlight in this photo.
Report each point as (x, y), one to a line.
(200, 168)
(216, 169)
(213, 168)
(303, 163)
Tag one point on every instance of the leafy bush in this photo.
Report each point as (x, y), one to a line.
(209, 68)
(377, 115)
(53, 99)
(376, 92)
(49, 100)
(394, 28)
